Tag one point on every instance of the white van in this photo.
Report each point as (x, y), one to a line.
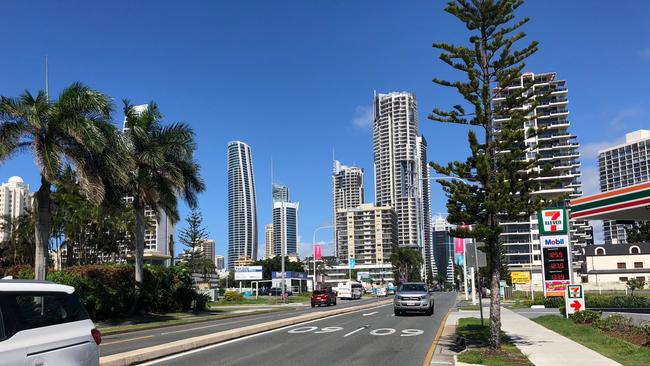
(42, 323)
(349, 290)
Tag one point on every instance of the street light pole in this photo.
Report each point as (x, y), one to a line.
(313, 252)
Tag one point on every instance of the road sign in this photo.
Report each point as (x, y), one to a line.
(248, 273)
(520, 277)
(553, 221)
(574, 299)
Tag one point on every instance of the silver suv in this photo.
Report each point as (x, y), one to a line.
(413, 296)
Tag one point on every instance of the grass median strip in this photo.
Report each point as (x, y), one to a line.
(476, 338)
(617, 349)
(176, 319)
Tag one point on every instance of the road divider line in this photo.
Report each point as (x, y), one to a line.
(358, 330)
(126, 340)
(374, 312)
(434, 344)
(212, 340)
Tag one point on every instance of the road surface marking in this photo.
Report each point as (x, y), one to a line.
(302, 330)
(374, 312)
(382, 331)
(354, 331)
(427, 359)
(196, 350)
(411, 332)
(328, 330)
(126, 340)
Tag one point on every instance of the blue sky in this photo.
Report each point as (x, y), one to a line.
(294, 79)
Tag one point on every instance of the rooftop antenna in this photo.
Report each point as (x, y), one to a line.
(47, 87)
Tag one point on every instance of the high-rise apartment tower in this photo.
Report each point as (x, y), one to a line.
(242, 207)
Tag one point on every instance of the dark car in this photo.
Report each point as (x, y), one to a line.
(323, 297)
(277, 291)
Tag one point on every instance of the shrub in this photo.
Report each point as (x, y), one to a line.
(586, 316)
(597, 301)
(616, 323)
(562, 310)
(232, 296)
(646, 330)
(201, 302)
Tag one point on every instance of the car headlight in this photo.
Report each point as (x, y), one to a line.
(397, 297)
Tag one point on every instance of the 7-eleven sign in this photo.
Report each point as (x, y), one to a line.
(553, 221)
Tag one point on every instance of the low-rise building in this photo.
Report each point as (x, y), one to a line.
(609, 266)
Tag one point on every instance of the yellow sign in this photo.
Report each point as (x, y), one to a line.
(520, 277)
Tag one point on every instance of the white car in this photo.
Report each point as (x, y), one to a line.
(44, 324)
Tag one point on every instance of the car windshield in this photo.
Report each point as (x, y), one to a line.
(413, 287)
(320, 292)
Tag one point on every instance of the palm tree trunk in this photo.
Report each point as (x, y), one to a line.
(139, 240)
(42, 232)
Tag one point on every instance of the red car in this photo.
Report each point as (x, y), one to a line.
(323, 297)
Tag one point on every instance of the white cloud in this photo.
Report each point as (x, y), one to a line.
(599, 235)
(589, 151)
(590, 180)
(362, 117)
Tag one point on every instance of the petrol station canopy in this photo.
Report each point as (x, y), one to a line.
(624, 204)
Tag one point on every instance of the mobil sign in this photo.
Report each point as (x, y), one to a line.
(554, 241)
(553, 221)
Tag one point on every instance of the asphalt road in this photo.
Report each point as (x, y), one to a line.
(368, 337)
(118, 343)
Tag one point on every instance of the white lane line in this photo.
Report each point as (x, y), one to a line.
(354, 331)
(171, 357)
(374, 312)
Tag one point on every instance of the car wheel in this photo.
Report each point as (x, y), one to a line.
(429, 311)
(397, 312)
(312, 305)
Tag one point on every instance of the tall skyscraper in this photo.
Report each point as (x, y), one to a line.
(558, 164)
(443, 247)
(347, 191)
(279, 193)
(15, 199)
(207, 249)
(401, 174)
(268, 240)
(621, 166)
(242, 207)
(285, 228)
(367, 233)
(219, 262)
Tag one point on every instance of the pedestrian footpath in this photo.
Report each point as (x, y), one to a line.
(542, 346)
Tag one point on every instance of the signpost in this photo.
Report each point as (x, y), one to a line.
(556, 252)
(574, 300)
(521, 278)
(244, 273)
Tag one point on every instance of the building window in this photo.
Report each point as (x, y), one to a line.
(600, 251)
(641, 278)
(622, 279)
(638, 264)
(620, 265)
(634, 250)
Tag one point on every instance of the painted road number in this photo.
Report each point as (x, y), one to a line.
(375, 332)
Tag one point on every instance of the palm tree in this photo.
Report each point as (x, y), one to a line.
(406, 264)
(74, 130)
(164, 169)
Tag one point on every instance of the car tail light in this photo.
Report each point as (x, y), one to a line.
(97, 335)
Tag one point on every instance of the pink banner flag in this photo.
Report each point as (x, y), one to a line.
(317, 252)
(459, 245)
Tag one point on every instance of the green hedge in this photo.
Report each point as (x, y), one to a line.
(599, 301)
(108, 291)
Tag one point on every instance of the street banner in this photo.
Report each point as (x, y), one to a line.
(553, 221)
(459, 246)
(244, 273)
(574, 299)
(522, 278)
(317, 252)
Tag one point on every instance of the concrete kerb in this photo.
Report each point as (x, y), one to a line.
(159, 351)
